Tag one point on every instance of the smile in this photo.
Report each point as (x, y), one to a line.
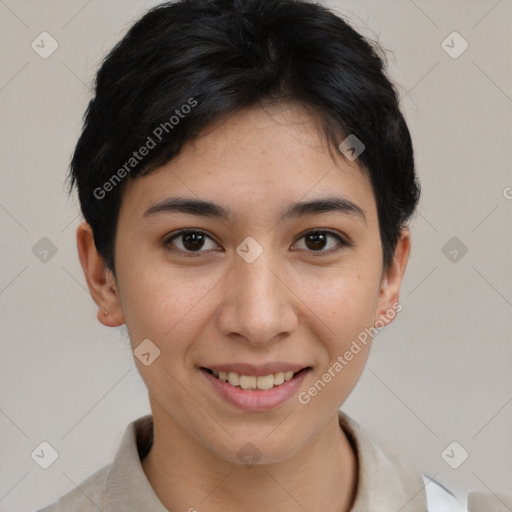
(263, 382)
(255, 388)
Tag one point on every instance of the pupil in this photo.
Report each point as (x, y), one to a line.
(193, 241)
(318, 240)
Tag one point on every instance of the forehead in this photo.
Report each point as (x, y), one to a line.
(254, 162)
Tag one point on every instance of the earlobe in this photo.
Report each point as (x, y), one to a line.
(100, 281)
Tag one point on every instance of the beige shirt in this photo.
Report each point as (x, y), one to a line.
(386, 483)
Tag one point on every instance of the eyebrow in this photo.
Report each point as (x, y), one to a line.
(203, 208)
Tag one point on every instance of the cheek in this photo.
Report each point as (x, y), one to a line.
(169, 311)
(344, 303)
(164, 305)
(345, 310)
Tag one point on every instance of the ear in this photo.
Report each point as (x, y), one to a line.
(100, 280)
(388, 302)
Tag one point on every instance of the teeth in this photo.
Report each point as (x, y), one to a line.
(266, 382)
(234, 378)
(253, 382)
(247, 381)
(278, 378)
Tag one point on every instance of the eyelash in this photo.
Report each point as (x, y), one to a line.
(194, 254)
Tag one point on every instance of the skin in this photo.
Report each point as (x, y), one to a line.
(293, 304)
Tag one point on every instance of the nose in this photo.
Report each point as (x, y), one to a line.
(258, 303)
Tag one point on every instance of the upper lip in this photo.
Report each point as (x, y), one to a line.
(256, 370)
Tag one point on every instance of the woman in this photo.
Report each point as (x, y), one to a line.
(246, 178)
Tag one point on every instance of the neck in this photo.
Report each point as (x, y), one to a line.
(321, 476)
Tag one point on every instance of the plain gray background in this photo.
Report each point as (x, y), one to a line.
(440, 373)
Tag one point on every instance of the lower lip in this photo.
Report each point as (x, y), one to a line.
(257, 399)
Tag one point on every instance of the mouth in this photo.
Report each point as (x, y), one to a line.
(255, 388)
(261, 382)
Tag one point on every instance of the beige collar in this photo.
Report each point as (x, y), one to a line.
(385, 483)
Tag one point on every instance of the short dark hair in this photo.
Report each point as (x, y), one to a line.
(206, 59)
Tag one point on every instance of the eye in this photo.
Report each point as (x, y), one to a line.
(316, 241)
(190, 241)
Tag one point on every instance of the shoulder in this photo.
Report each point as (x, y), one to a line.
(439, 499)
(389, 482)
(121, 485)
(388, 479)
(89, 496)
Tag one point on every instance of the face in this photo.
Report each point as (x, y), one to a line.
(269, 290)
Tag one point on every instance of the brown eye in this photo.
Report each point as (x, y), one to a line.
(317, 241)
(190, 241)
